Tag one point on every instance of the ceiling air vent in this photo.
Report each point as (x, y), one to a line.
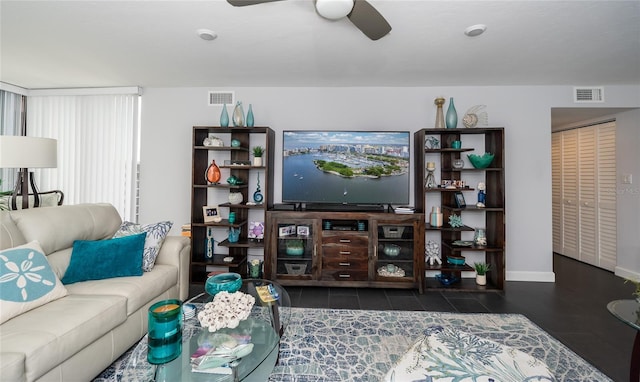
(587, 94)
(221, 98)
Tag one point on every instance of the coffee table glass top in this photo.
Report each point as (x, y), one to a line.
(627, 311)
(265, 326)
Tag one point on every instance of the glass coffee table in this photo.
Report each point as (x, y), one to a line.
(265, 327)
(628, 311)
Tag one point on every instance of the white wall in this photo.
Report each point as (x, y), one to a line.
(168, 115)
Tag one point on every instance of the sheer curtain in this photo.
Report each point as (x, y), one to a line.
(97, 147)
(10, 123)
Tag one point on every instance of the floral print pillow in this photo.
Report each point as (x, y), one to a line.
(26, 280)
(156, 233)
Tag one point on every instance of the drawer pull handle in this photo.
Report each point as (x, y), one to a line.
(345, 252)
(345, 241)
(344, 276)
(344, 264)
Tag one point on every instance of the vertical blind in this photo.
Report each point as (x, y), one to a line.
(10, 122)
(97, 147)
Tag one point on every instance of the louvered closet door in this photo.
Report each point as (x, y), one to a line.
(570, 194)
(607, 197)
(588, 222)
(556, 190)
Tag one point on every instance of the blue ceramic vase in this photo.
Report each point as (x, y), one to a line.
(250, 117)
(452, 115)
(224, 117)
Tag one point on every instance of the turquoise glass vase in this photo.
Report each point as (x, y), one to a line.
(165, 331)
(452, 115)
(250, 117)
(224, 117)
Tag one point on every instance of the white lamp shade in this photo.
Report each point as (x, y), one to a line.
(28, 152)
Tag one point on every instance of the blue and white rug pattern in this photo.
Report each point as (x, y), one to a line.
(331, 345)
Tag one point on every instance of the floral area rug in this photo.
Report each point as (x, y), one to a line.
(331, 345)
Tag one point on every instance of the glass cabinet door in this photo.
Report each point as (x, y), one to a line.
(296, 249)
(394, 258)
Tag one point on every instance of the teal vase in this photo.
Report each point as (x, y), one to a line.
(224, 117)
(250, 117)
(452, 115)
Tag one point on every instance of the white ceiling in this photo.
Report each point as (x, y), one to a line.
(54, 44)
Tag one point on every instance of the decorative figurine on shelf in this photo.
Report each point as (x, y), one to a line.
(482, 196)
(257, 196)
(432, 142)
(432, 253)
(213, 173)
(435, 218)
(210, 242)
(455, 221)
(430, 182)
(476, 115)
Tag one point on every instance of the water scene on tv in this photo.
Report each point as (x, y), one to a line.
(345, 167)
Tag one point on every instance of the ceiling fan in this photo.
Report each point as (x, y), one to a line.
(362, 14)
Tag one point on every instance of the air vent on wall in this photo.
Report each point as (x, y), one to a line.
(588, 94)
(221, 98)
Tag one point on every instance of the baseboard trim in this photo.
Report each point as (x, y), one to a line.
(627, 273)
(547, 277)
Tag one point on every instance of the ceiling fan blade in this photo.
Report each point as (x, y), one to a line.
(242, 3)
(369, 20)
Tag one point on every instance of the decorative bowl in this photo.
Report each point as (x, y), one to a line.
(458, 163)
(391, 250)
(456, 260)
(447, 279)
(480, 161)
(228, 282)
(295, 248)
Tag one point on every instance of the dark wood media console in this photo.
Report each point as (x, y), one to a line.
(345, 249)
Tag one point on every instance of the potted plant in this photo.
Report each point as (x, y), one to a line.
(481, 272)
(636, 293)
(258, 151)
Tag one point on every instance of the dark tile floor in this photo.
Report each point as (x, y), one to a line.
(573, 309)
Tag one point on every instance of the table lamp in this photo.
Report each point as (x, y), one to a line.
(27, 152)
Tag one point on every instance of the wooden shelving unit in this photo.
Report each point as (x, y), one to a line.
(493, 212)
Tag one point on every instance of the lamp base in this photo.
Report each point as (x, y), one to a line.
(22, 188)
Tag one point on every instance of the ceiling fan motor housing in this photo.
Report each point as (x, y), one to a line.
(334, 9)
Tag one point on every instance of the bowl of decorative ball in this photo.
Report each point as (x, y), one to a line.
(391, 250)
(228, 282)
(480, 161)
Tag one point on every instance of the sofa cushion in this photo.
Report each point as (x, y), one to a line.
(57, 228)
(26, 280)
(102, 259)
(156, 233)
(10, 235)
(138, 291)
(52, 333)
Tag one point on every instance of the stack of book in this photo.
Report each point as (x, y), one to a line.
(186, 230)
(404, 210)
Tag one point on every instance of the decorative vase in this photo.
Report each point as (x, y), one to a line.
(439, 113)
(255, 268)
(235, 143)
(430, 181)
(435, 218)
(480, 237)
(250, 117)
(224, 117)
(235, 197)
(213, 173)
(234, 235)
(238, 115)
(481, 279)
(452, 115)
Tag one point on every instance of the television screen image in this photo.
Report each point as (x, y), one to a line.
(345, 167)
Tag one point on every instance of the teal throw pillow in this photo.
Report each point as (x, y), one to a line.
(104, 259)
(26, 280)
(156, 233)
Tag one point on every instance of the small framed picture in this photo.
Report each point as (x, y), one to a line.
(460, 203)
(303, 230)
(286, 230)
(210, 214)
(256, 231)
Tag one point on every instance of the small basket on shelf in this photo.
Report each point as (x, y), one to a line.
(392, 232)
(295, 269)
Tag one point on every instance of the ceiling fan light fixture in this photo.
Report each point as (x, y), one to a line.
(207, 35)
(334, 9)
(475, 30)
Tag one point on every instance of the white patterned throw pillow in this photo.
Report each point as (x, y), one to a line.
(26, 280)
(156, 233)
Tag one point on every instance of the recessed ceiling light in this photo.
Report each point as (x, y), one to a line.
(475, 30)
(207, 35)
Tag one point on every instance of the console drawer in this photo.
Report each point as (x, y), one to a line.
(344, 264)
(348, 239)
(344, 252)
(345, 275)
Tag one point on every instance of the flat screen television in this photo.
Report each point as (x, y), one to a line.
(345, 167)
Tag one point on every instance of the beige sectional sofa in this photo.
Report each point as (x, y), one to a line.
(77, 336)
